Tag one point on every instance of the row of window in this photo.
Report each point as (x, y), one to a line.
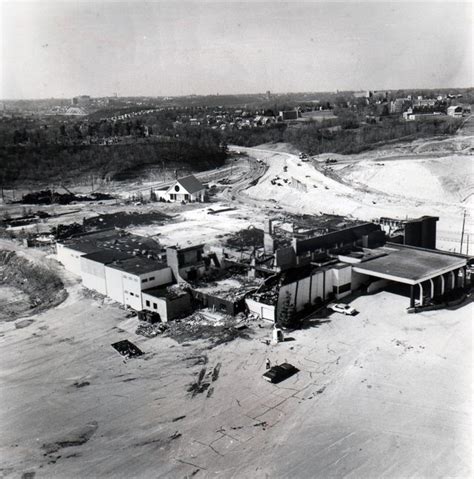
(131, 278)
(148, 304)
(145, 280)
(131, 294)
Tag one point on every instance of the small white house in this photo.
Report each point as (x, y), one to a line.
(455, 111)
(187, 189)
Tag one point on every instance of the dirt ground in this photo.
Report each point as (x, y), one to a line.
(381, 394)
(404, 180)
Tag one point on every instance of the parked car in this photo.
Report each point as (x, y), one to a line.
(342, 308)
(280, 372)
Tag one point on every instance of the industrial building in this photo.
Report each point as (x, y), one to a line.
(70, 251)
(127, 278)
(166, 303)
(412, 232)
(298, 270)
(316, 269)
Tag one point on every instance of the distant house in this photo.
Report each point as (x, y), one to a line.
(455, 110)
(75, 111)
(187, 189)
(399, 104)
(362, 94)
(288, 115)
(421, 103)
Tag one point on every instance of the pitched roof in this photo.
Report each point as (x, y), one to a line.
(190, 183)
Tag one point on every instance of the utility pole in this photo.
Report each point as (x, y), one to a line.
(462, 232)
(467, 245)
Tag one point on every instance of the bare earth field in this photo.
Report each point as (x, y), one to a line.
(398, 183)
(381, 394)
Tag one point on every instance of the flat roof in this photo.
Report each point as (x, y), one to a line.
(187, 248)
(85, 248)
(164, 292)
(137, 265)
(106, 256)
(112, 239)
(409, 265)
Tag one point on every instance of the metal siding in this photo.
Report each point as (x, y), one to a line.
(114, 281)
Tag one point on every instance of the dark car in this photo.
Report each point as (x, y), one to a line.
(280, 372)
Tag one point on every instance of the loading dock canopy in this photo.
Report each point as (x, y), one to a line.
(410, 265)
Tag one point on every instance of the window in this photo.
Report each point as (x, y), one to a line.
(155, 306)
(151, 278)
(126, 292)
(144, 280)
(176, 188)
(147, 303)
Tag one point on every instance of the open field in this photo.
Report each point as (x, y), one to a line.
(381, 394)
(397, 183)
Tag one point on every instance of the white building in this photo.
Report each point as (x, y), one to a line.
(127, 278)
(187, 189)
(455, 111)
(93, 268)
(70, 251)
(69, 255)
(168, 303)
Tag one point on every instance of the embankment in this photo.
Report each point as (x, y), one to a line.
(27, 288)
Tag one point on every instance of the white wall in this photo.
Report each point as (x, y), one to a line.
(93, 275)
(161, 277)
(161, 306)
(264, 311)
(69, 258)
(133, 285)
(132, 291)
(114, 280)
(197, 196)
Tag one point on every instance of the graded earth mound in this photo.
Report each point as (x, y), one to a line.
(444, 179)
(26, 288)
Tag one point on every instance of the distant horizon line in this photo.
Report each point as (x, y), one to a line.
(239, 94)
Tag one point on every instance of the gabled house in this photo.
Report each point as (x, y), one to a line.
(455, 111)
(187, 189)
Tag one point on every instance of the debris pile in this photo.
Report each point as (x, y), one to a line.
(124, 219)
(127, 349)
(150, 330)
(48, 197)
(202, 326)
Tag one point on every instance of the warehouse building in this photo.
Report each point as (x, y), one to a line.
(69, 251)
(93, 268)
(127, 278)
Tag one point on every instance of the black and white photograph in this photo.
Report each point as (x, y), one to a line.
(236, 239)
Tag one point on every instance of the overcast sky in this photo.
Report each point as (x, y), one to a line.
(67, 48)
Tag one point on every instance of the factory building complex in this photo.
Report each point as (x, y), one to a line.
(300, 272)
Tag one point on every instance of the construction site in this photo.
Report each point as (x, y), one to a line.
(161, 309)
